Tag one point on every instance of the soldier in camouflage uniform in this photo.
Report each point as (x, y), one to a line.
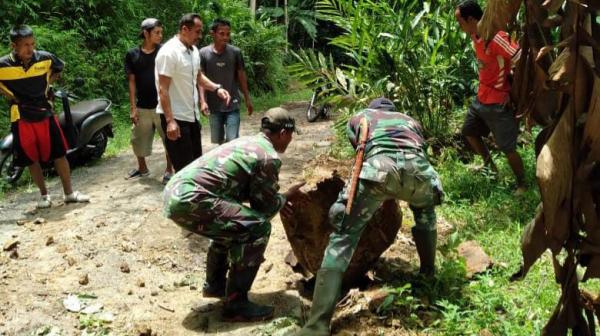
(395, 167)
(206, 197)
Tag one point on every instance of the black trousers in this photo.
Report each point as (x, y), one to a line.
(188, 147)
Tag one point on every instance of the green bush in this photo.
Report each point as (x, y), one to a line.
(408, 50)
(93, 36)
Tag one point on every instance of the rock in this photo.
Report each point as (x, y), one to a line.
(84, 280)
(14, 254)
(61, 249)
(143, 330)
(128, 246)
(130, 292)
(99, 264)
(154, 293)
(30, 211)
(376, 298)
(140, 282)
(49, 241)
(476, 260)
(125, 268)
(39, 220)
(21, 222)
(11, 244)
(193, 287)
(70, 260)
(268, 267)
(308, 230)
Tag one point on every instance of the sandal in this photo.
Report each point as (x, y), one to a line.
(166, 177)
(134, 173)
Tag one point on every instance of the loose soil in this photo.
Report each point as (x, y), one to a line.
(146, 271)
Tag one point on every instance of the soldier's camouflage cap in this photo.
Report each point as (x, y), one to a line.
(382, 103)
(277, 118)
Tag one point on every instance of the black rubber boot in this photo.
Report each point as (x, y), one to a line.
(326, 295)
(216, 273)
(237, 307)
(425, 242)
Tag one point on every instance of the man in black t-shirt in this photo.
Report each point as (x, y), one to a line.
(139, 67)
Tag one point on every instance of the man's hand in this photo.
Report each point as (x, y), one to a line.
(249, 107)
(173, 132)
(292, 192)
(134, 115)
(204, 108)
(224, 95)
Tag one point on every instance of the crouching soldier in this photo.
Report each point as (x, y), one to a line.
(394, 166)
(207, 196)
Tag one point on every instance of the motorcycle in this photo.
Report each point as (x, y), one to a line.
(87, 125)
(314, 110)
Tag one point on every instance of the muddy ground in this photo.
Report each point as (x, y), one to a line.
(118, 252)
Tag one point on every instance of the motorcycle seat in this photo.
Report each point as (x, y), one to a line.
(84, 109)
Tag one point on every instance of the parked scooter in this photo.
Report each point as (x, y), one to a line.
(86, 126)
(316, 109)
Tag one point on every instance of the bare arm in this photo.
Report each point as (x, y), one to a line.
(244, 87)
(164, 82)
(203, 104)
(132, 108)
(209, 85)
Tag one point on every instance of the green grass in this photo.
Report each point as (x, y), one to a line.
(481, 207)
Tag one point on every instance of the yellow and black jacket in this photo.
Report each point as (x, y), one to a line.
(27, 89)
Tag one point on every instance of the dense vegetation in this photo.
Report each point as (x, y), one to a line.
(410, 51)
(93, 36)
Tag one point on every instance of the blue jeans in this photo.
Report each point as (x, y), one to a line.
(224, 126)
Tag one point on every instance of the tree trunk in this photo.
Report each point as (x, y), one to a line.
(253, 8)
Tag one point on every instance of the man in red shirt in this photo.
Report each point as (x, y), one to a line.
(490, 110)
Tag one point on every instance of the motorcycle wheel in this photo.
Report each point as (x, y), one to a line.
(97, 145)
(8, 172)
(312, 113)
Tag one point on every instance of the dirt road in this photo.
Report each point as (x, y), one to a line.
(120, 254)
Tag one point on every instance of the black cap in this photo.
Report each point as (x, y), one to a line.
(382, 103)
(149, 24)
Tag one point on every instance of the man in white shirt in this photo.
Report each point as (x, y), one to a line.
(178, 79)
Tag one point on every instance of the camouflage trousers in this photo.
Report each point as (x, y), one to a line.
(406, 176)
(234, 229)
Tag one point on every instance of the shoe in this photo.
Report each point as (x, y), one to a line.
(166, 177)
(216, 273)
(237, 307)
(425, 241)
(328, 288)
(77, 197)
(134, 173)
(44, 202)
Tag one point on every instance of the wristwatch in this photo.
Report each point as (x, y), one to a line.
(219, 86)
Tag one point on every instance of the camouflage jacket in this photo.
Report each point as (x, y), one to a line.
(389, 132)
(245, 169)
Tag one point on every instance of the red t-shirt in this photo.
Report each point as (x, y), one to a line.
(494, 67)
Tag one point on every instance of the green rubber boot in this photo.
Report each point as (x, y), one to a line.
(327, 292)
(237, 307)
(425, 242)
(216, 274)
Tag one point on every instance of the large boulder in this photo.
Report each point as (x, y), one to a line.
(308, 230)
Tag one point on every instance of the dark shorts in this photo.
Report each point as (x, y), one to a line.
(497, 118)
(185, 149)
(39, 141)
